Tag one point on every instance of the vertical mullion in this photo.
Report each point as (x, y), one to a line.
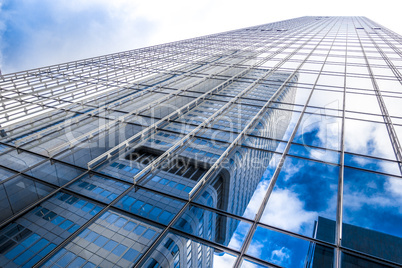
(339, 214)
(253, 228)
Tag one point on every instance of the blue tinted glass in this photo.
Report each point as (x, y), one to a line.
(78, 262)
(112, 218)
(371, 213)
(47, 250)
(129, 226)
(119, 250)
(65, 225)
(372, 164)
(319, 130)
(14, 252)
(142, 202)
(32, 262)
(100, 241)
(66, 259)
(304, 191)
(39, 245)
(91, 236)
(74, 228)
(24, 257)
(110, 245)
(281, 249)
(149, 234)
(89, 265)
(139, 230)
(30, 240)
(131, 255)
(120, 222)
(57, 220)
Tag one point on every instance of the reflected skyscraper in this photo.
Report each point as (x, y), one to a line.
(365, 240)
(217, 150)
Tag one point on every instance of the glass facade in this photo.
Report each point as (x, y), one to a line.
(276, 145)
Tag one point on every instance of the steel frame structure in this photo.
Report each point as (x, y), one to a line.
(119, 89)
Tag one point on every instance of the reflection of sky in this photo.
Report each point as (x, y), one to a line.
(319, 130)
(372, 164)
(307, 189)
(368, 138)
(373, 201)
(278, 248)
(304, 191)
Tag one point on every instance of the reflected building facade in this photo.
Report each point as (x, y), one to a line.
(216, 150)
(375, 243)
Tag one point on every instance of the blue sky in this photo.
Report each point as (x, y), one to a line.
(37, 33)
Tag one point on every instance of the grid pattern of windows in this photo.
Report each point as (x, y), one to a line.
(273, 145)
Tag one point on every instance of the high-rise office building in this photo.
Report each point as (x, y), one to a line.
(225, 149)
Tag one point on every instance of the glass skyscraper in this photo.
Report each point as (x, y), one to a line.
(276, 145)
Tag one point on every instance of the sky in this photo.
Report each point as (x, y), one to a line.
(36, 33)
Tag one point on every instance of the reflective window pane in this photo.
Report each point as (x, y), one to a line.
(32, 236)
(18, 193)
(368, 138)
(368, 199)
(113, 239)
(305, 192)
(151, 205)
(99, 188)
(213, 226)
(287, 251)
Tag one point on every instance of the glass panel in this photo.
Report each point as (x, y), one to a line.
(362, 103)
(99, 188)
(55, 173)
(305, 191)
(4, 174)
(276, 124)
(327, 99)
(29, 238)
(151, 205)
(18, 193)
(319, 130)
(393, 105)
(368, 199)
(86, 151)
(372, 164)
(288, 251)
(213, 226)
(242, 182)
(350, 261)
(19, 161)
(398, 130)
(314, 153)
(114, 239)
(249, 264)
(368, 138)
(179, 251)
(264, 144)
(363, 116)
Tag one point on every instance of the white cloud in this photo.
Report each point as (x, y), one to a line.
(281, 255)
(224, 260)
(394, 187)
(256, 247)
(248, 264)
(370, 195)
(285, 210)
(255, 201)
